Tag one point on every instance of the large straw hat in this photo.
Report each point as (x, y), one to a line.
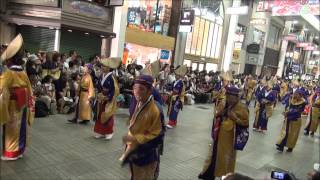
(112, 62)
(12, 49)
(296, 82)
(182, 70)
(227, 76)
(152, 69)
(270, 84)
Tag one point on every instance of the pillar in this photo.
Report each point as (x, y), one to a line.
(119, 27)
(283, 49)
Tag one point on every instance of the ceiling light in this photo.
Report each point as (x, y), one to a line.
(295, 22)
(86, 33)
(316, 37)
(102, 36)
(306, 29)
(69, 30)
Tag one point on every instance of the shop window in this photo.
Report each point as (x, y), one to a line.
(187, 62)
(200, 36)
(217, 53)
(214, 40)
(201, 67)
(194, 66)
(205, 38)
(149, 15)
(258, 37)
(195, 36)
(208, 50)
(211, 67)
(239, 37)
(273, 36)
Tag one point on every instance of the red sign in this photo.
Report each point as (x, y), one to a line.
(309, 48)
(263, 6)
(295, 7)
(303, 44)
(290, 37)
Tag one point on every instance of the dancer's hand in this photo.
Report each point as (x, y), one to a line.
(128, 138)
(232, 116)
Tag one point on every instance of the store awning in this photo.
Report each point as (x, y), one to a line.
(149, 39)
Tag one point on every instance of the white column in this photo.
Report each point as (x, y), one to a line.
(283, 49)
(119, 27)
(57, 36)
(180, 48)
(227, 55)
(104, 42)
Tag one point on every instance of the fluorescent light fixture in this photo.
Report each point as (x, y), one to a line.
(306, 29)
(295, 22)
(242, 10)
(86, 33)
(69, 30)
(102, 36)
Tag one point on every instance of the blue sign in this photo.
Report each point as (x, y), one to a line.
(165, 54)
(131, 16)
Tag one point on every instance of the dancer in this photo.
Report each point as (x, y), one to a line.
(314, 116)
(177, 97)
(225, 136)
(249, 89)
(86, 96)
(145, 133)
(16, 101)
(264, 108)
(107, 104)
(292, 121)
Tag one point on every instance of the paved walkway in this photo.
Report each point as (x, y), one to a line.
(59, 150)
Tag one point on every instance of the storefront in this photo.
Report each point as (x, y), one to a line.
(146, 36)
(142, 55)
(203, 44)
(62, 25)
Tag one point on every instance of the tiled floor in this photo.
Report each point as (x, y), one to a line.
(59, 150)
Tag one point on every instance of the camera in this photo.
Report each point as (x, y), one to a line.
(282, 175)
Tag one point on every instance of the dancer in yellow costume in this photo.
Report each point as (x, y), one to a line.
(314, 117)
(16, 102)
(249, 89)
(227, 129)
(84, 111)
(292, 123)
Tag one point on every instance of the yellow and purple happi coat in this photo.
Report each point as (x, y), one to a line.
(86, 92)
(16, 110)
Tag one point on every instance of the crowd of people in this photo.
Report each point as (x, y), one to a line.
(50, 82)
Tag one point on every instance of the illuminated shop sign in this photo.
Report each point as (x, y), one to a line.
(258, 21)
(290, 37)
(303, 44)
(309, 48)
(263, 6)
(187, 17)
(294, 7)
